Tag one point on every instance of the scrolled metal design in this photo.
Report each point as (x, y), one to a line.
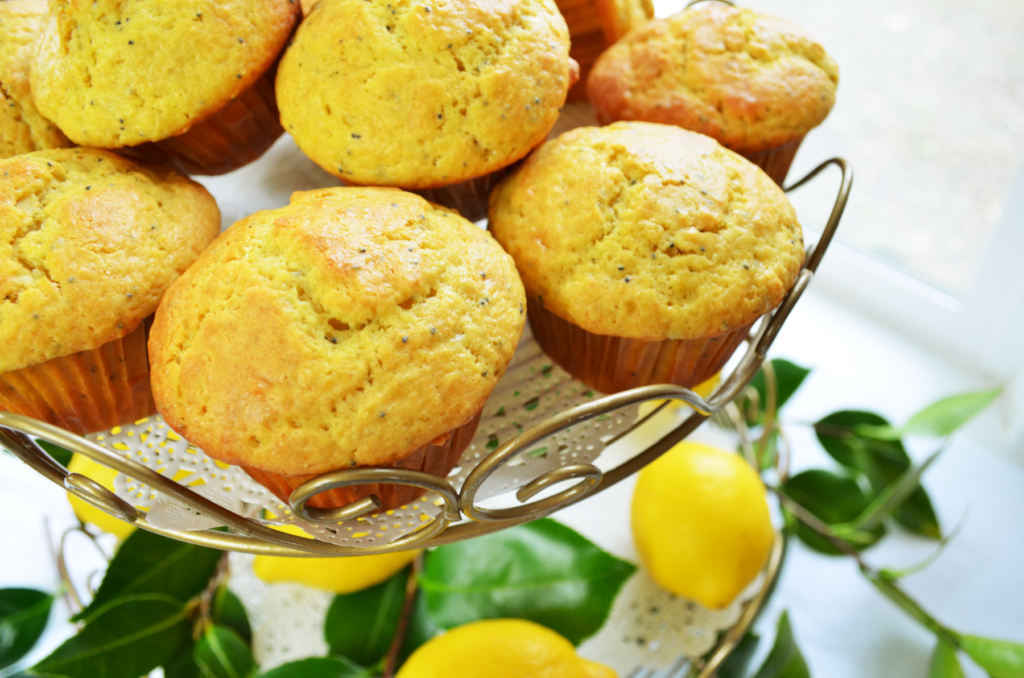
(17, 434)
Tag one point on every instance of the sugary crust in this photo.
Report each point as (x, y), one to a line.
(22, 128)
(648, 232)
(751, 81)
(114, 73)
(350, 327)
(89, 241)
(422, 95)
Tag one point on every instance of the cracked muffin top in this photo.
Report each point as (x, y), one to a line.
(89, 241)
(350, 327)
(425, 94)
(751, 81)
(114, 73)
(22, 128)
(648, 232)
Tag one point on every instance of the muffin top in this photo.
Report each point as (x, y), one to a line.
(648, 232)
(422, 95)
(751, 81)
(22, 128)
(350, 327)
(115, 73)
(89, 241)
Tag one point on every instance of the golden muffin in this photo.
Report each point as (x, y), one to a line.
(89, 241)
(185, 81)
(646, 251)
(755, 83)
(22, 128)
(354, 327)
(594, 25)
(423, 95)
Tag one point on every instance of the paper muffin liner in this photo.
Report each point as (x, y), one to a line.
(437, 458)
(234, 136)
(88, 391)
(470, 198)
(595, 25)
(776, 161)
(613, 364)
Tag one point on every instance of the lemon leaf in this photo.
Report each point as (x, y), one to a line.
(785, 660)
(945, 663)
(221, 653)
(59, 454)
(23, 617)
(149, 563)
(360, 625)
(999, 658)
(945, 416)
(735, 665)
(421, 629)
(835, 499)
(788, 378)
(228, 611)
(319, 667)
(183, 663)
(543, 572)
(882, 462)
(126, 638)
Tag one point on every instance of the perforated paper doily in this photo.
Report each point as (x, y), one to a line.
(532, 390)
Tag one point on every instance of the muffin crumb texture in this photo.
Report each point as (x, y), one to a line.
(751, 81)
(422, 95)
(648, 232)
(350, 327)
(114, 73)
(89, 241)
(22, 128)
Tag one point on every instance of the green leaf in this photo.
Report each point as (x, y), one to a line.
(543, 572)
(23, 617)
(221, 653)
(360, 625)
(319, 667)
(59, 454)
(785, 659)
(149, 563)
(944, 662)
(182, 664)
(735, 665)
(834, 499)
(1000, 658)
(421, 628)
(229, 611)
(894, 495)
(126, 638)
(947, 415)
(882, 462)
(788, 378)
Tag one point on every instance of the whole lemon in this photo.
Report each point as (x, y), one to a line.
(334, 575)
(501, 648)
(88, 513)
(701, 523)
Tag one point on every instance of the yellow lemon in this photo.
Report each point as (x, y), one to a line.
(501, 648)
(335, 575)
(703, 389)
(701, 523)
(88, 513)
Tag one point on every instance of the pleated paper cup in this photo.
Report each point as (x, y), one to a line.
(88, 391)
(776, 161)
(437, 458)
(234, 136)
(613, 364)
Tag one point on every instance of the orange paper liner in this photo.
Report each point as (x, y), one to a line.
(88, 391)
(776, 161)
(595, 25)
(613, 364)
(234, 136)
(470, 198)
(437, 458)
